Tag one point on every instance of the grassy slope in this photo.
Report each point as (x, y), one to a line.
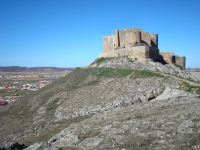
(18, 117)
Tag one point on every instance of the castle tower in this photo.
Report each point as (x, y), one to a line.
(180, 61)
(131, 38)
(117, 38)
(154, 40)
(138, 36)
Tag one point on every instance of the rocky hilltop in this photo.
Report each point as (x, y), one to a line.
(113, 103)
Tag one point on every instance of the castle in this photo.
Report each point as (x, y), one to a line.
(138, 45)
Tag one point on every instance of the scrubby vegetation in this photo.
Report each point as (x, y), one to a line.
(19, 118)
(99, 60)
(108, 72)
(190, 88)
(198, 91)
(144, 74)
(78, 68)
(130, 60)
(179, 66)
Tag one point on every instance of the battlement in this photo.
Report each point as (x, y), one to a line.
(137, 45)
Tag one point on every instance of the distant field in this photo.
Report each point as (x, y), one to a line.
(4, 93)
(196, 74)
(36, 72)
(23, 78)
(26, 80)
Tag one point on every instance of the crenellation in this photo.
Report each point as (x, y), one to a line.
(138, 45)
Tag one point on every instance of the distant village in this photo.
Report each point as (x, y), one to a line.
(26, 76)
(14, 88)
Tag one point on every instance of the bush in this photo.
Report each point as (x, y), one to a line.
(77, 68)
(143, 73)
(198, 91)
(108, 72)
(130, 60)
(98, 61)
(179, 66)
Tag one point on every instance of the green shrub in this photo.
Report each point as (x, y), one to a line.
(179, 66)
(98, 61)
(189, 90)
(108, 72)
(198, 91)
(77, 68)
(186, 84)
(130, 60)
(190, 87)
(143, 73)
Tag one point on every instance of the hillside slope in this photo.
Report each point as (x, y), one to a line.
(107, 105)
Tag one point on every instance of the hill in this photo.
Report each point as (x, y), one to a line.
(114, 103)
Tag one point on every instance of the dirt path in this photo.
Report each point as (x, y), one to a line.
(191, 83)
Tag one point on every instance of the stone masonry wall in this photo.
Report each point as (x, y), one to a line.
(122, 35)
(123, 44)
(167, 57)
(154, 40)
(180, 61)
(137, 52)
(131, 38)
(154, 53)
(108, 43)
(121, 38)
(146, 38)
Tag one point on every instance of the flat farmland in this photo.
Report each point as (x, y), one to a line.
(196, 74)
(36, 72)
(3, 92)
(23, 80)
(3, 80)
(54, 75)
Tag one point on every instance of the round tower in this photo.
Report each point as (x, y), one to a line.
(132, 38)
(137, 37)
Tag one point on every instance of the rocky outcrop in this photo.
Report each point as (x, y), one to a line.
(142, 113)
(124, 62)
(86, 111)
(169, 123)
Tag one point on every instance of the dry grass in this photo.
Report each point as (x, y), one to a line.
(196, 74)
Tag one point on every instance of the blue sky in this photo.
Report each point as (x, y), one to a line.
(69, 33)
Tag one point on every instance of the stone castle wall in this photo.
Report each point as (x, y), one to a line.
(131, 38)
(154, 40)
(154, 53)
(137, 52)
(167, 57)
(180, 61)
(108, 43)
(122, 35)
(124, 44)
(146, 38)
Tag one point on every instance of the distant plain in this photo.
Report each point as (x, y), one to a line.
(196, 74)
